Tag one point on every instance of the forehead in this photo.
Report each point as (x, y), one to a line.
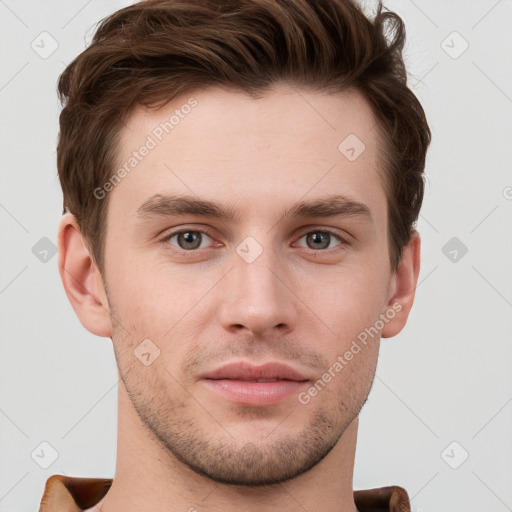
(224, 145)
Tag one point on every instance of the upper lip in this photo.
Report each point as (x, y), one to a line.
(251, 372)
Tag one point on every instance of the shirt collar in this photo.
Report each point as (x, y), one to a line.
(74, 494)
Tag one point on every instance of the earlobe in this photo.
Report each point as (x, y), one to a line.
(82, 280)
(403, 288)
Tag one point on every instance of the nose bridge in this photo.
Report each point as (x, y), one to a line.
(255, 294)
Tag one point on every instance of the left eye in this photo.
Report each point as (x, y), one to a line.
(321, 239)
(189, 240)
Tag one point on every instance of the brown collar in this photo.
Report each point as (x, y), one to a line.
(72, 494)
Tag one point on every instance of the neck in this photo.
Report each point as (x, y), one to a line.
(149, 477)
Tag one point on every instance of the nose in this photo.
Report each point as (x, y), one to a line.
(257, 296)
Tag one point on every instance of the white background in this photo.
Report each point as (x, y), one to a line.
(445, 378)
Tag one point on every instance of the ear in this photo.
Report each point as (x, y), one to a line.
(403, 287)
(82, 280)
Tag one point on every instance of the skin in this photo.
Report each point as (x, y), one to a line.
(181, 446)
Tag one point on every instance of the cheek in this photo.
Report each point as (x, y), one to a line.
(168, 307)
(154, 294)
(349, 301)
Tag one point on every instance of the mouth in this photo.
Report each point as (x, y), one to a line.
(246, 384)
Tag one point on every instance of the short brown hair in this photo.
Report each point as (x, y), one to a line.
(150, 52)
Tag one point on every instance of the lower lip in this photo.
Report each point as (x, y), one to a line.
(253, 393)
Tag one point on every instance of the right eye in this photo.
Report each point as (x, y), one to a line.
(188, 240)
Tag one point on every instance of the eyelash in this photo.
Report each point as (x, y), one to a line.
(165, 240)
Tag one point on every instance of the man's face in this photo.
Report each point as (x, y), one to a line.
(268, 284)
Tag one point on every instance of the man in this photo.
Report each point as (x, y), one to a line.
(241, 181)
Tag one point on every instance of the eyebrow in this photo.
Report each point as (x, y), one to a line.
(161, 205)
